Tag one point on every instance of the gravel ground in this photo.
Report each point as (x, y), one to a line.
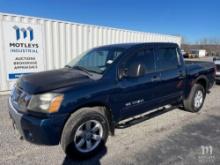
(175, 137)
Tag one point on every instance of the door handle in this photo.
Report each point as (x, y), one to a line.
(155, 78)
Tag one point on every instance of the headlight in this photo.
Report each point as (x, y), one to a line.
(48, 102)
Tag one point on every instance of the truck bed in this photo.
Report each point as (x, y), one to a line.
(199, 64)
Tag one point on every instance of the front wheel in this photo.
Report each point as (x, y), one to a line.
(85, 133)
(196, 99)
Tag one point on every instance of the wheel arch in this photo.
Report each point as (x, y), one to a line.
(105, 108)
(202, 80)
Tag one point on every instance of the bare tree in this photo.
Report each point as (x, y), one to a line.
(184, 40)
(209, 41)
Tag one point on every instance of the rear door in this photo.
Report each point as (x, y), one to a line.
(170, 67)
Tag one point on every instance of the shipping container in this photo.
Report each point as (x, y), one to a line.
(198, 52)
(30, 44)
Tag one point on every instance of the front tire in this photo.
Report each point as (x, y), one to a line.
(85, 133)
(196, 98)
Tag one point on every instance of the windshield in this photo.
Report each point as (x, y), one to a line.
(96, 60)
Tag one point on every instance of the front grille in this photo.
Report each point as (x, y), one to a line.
(20, 99)
(218, 68)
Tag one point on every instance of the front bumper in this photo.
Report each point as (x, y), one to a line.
(46, 131)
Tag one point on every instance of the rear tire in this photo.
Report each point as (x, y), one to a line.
(85, 133)
(196, 98)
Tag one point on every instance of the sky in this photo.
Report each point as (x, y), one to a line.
(192, 19)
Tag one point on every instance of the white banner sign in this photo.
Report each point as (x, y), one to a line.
(23, 49)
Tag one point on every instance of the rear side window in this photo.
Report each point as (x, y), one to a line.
(167, 59)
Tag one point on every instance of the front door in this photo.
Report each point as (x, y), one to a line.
(137, 89)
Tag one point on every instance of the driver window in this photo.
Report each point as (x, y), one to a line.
(140, 63)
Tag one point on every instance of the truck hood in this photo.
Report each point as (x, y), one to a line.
(51, 80)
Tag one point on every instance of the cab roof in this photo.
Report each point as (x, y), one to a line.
(130, 45)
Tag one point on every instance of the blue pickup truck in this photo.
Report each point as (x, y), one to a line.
(79, 105)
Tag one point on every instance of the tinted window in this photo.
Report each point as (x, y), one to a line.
(167, 58)
(149, 61)
(144, 58)
(116, 54)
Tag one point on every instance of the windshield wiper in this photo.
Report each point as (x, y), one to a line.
(82, 69)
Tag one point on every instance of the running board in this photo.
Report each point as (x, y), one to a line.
(146, 116)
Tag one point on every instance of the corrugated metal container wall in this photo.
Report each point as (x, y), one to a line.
(62, 41)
